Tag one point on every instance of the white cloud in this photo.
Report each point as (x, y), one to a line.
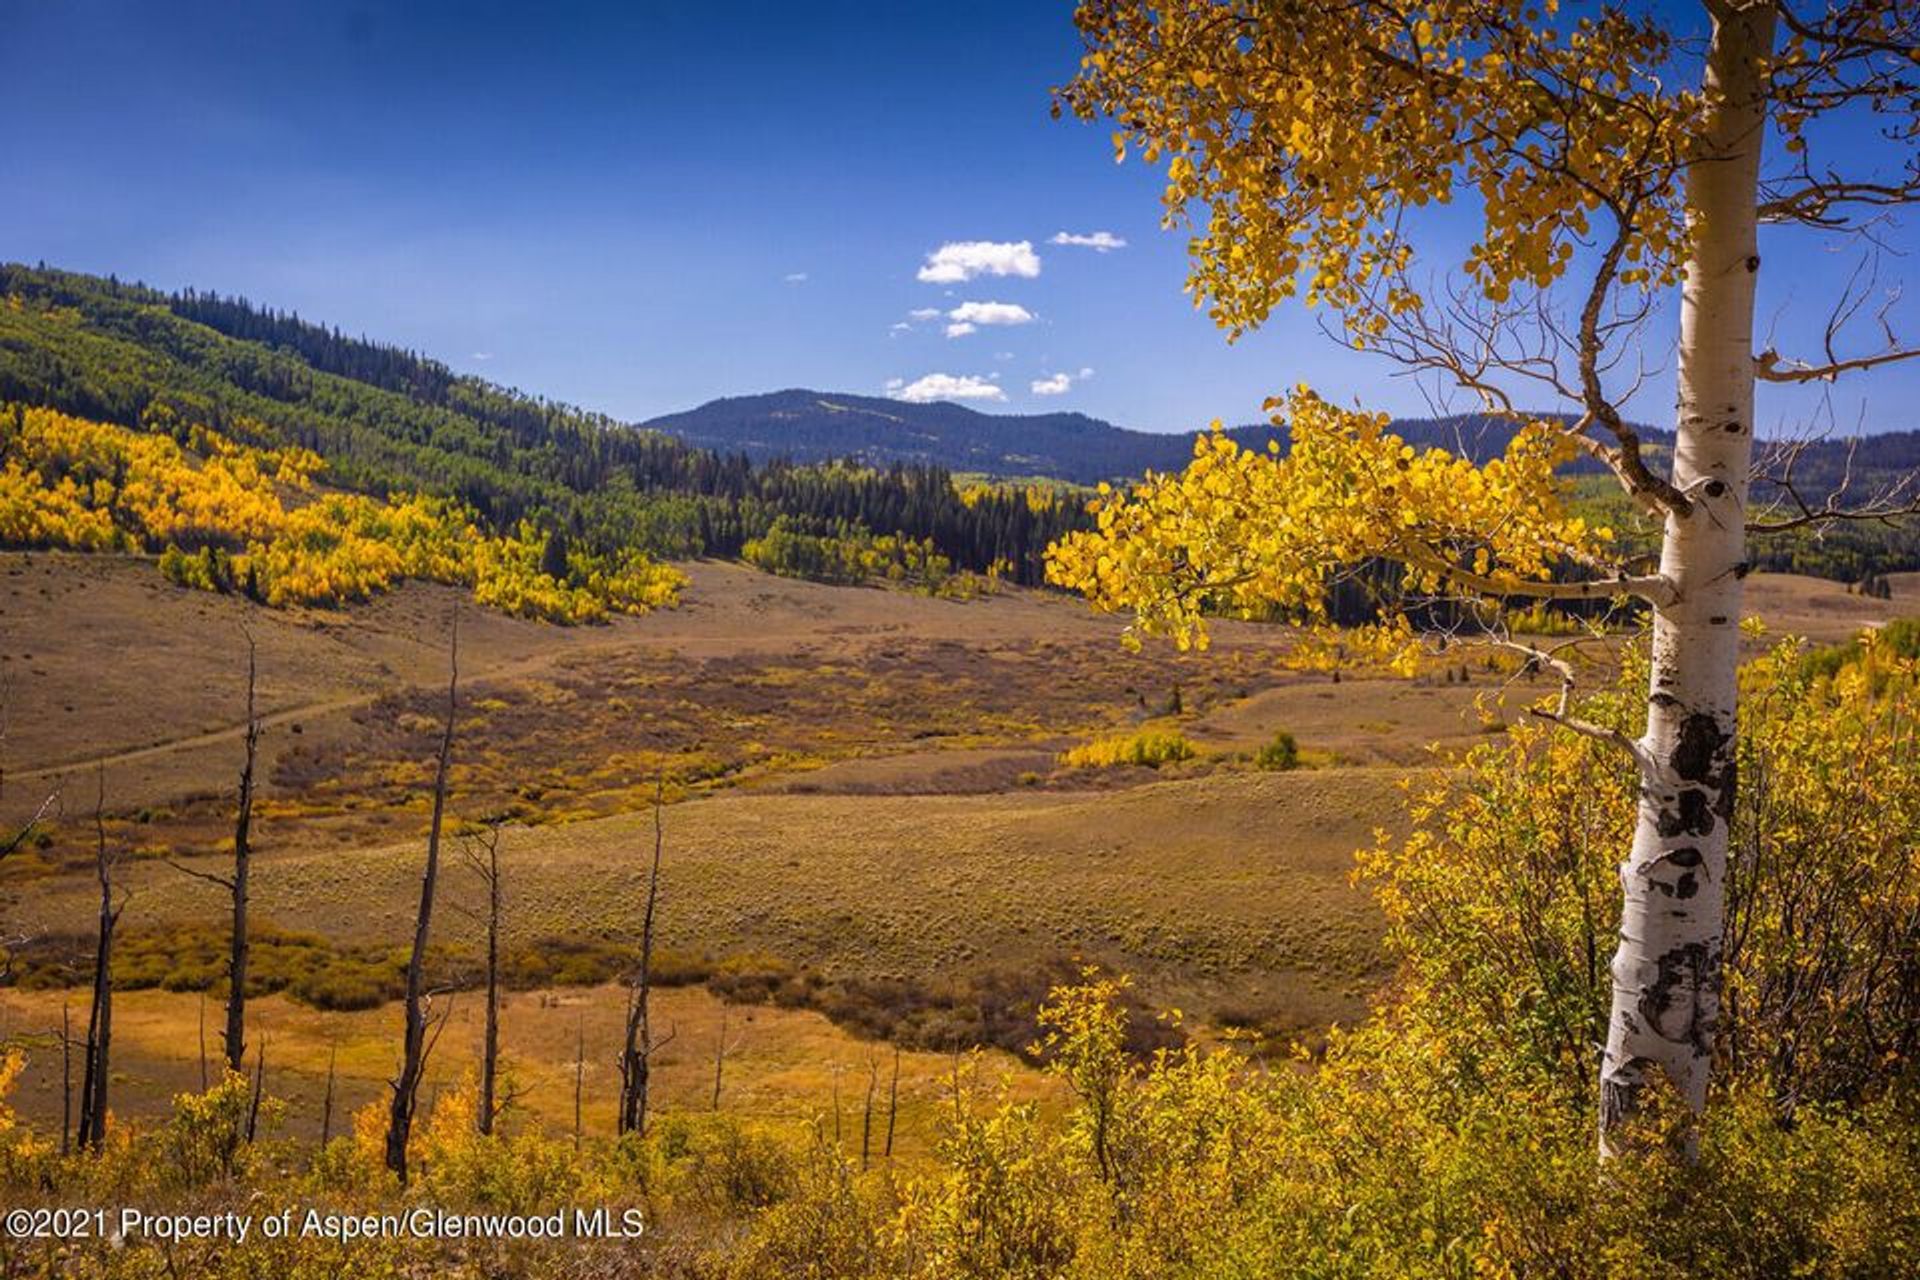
(990, 313)
(795, 277)
(1098, 241)
(944, 386)
(959, 260)
(901, 327)
(481, 356)
(960, 329)
(1058, 384)
(924, 313)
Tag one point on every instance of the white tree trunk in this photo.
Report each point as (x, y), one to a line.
(1666, 974)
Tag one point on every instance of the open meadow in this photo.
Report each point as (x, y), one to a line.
(870, 833)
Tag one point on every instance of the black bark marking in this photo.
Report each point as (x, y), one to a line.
(1674, 1005)
(1716, 488)
(1753, 262)
(1691, 815)
(1733, 428)
(1701, 742)
(1684, 885)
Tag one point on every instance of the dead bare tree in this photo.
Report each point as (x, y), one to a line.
(234, 1037)
(242, 856)
(66, 1078)
(723, 1048)
(579, 1075)
(96, 1060)
(636, 1066)
(834, 1072)
(481, 852)
(866, 1115)
(414, 1046)
(259, 1089)
(893, 1104)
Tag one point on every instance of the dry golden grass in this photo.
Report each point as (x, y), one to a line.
(875, 794)
(783, 1065)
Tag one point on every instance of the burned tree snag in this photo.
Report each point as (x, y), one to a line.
(95, 1062)
(482, 854)
(235, 1038)
(413, 1045)
(635, 1057)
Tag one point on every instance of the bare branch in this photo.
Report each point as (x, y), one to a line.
(208, 876)
(1769, 367)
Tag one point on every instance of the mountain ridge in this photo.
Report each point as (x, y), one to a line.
(809, 425)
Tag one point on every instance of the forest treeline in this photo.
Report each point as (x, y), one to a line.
(385, 420)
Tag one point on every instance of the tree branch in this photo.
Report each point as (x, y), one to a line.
(1655, 588)
(208, 876)
(1769, 367)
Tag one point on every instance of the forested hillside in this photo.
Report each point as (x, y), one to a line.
(383, 420)
(709, 481)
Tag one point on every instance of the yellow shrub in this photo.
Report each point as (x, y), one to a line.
(1149, 747)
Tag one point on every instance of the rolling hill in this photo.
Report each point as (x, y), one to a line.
(698, 482)
(810, 425)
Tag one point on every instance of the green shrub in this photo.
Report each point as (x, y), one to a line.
(1281, 754)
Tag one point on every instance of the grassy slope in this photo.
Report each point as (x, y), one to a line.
(1212, 886)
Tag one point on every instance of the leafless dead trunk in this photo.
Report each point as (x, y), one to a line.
(722, 1049)
(482, 853)
(259, 1089)
(413, 1047)
(835, 1074)
(866, 1116)
(893, 1103)
(579, 1075)
(235, 1038)
(636, 1066)
(66, 1079)
(99, 1045)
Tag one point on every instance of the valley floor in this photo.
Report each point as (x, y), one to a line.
(867, 789)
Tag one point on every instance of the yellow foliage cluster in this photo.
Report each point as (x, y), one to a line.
(260, 526)
(86, 485)
(1149, 747)
(1239, 531)
(851, 554)
(1307, 135)
(1516, 851)
(1040, 498)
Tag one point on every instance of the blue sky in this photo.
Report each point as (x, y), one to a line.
(639, 207)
